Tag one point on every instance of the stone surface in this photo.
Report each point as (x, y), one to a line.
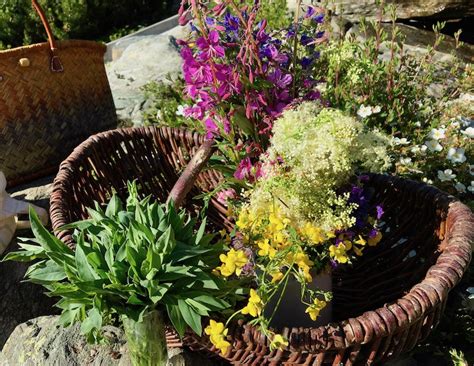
(42, 341)
(20, 301)
(406, 9)
(143, 59)
(36, 192)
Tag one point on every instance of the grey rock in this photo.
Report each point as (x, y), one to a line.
(406, 9)
(416, 42)
(142, 59)
(42, 341)
(19, 301)
(36, 192)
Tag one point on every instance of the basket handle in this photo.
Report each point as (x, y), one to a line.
(56, 65)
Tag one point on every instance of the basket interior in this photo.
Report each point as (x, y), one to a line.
(414, 216)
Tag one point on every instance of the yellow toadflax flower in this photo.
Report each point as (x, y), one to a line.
(376, 239)
(255, 305)
(234, 261)
(313, 233)
(277, 276)
(360, 241)
(245, 220)
(217, 333)
(339, 253)
(314, 309)
(265, 249)
(278, 342)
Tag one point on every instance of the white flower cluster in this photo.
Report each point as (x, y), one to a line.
(320, 150)
(367, 111)
(446, 151)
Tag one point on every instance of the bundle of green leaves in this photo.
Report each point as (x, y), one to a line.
(130, 260)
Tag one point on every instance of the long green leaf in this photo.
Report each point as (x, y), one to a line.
(85, 270)
(44, 238)
(176, 318)
(190, 316)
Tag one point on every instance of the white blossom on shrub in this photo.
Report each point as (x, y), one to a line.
(456, 155)
(447, 175)
(437, 134)
(433, 145)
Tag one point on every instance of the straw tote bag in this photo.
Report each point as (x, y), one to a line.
(52, 97)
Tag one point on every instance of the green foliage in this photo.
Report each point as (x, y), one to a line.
(130, 260)
(167, 103)
(76, 19)
(377, 71)
(275, 12)
(410, 96)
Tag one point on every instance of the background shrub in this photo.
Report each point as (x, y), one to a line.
(77, 19)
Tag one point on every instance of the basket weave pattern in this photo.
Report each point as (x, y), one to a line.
(383, 305)
(44, 115)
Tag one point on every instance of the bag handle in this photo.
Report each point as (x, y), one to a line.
(56, 65)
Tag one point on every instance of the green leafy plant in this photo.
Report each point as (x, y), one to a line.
(167, 104)
(130, 260)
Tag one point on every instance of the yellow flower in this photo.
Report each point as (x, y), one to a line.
(278, 342)
(217, 333)
(376, 239)
(313, 233)
(348, 245)
(234, 261)
(266, 249)
(314, 309)
(277, 276)
(255, 305)
(358, 251)
(339, 253)
(303, 261)
(360, 241)
(245, 219)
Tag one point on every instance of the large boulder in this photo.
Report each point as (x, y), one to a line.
(42, 341)
(406, 9)
(141, 59)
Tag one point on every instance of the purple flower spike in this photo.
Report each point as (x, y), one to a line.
(380, 212)
(319, 18)
(279, 79)
(310, 12)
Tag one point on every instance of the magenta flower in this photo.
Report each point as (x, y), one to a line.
(225, 195)
(247, 171)
(244, 169)
(210, 47)
(280, 80)
(212, 129)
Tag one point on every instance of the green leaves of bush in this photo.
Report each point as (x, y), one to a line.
(77, 19)
(130, 260)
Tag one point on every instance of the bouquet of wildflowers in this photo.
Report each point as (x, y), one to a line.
(305, 214)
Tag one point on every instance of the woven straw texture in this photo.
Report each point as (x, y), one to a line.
(383, 306)
(45, 114)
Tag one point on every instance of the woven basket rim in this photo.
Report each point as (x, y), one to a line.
(62, 45)
(417, 301)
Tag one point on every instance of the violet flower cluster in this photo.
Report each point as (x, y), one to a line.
(367, 218)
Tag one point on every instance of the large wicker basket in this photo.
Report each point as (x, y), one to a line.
(383, 305)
